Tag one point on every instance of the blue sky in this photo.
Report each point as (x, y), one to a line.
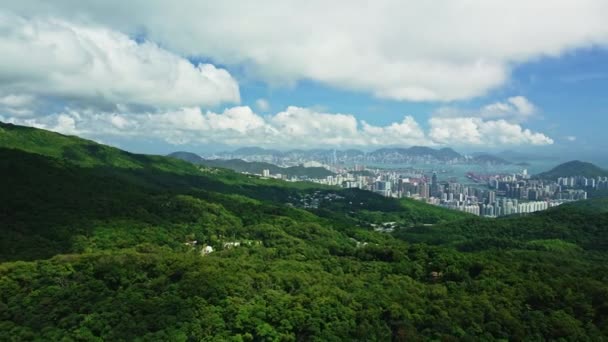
(285, 74)
(571, 92)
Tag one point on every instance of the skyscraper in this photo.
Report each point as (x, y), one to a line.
(491, 197)
(424, 190)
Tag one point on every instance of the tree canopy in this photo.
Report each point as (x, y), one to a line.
(101, 244)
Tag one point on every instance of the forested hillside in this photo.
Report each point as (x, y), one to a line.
(572, 169)
(101, 244)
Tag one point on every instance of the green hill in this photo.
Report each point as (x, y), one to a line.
(574, 168)
(239, 165)
(81, 151)
(583, 223)
(101, 244)
(93, 183)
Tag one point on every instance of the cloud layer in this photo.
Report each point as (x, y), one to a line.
(403, 50)
(475, 131)
(513, 109)
(55, 58)
(88, 75)
(295, 127)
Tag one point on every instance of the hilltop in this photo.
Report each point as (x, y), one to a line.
(574, 168)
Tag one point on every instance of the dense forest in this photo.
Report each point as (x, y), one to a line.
(101, 244)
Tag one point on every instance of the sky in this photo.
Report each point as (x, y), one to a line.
(160, 76)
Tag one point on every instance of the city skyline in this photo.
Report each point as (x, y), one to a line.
(492, 195)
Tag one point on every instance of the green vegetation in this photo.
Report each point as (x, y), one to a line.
(100, 244)
(574, 168)
(239, 165)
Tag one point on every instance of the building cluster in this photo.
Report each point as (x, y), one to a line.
(313, 200)
(502, 207)
(502, 195)
(486, 195)
(598, 183)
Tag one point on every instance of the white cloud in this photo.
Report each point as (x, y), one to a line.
(571, 138)
(513, 109)
(262, 105)
(404, 50)
(476, 131)
(65, 124)
(407, 132)
(295, 127)
(53, 57)
(18, 105)
(13, 100)
(120, 121)
(522, 105)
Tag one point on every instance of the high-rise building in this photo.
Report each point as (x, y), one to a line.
(491, 197)
(434, 185)
(383, 188)
(424, 190)
(532, 194)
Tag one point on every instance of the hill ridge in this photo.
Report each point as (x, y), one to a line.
(574, 168)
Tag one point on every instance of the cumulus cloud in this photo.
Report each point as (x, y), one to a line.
(13, 100)
(513, 109)
(403, 50)
(294, 127)
(476, 131)
(523, 105)
(57, 58)
(17, 105)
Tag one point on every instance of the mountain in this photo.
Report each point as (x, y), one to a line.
(574, 168)
(187, 156)
(485, 158)
(80, 151)
(239, 165)
(82, 190)
(411, 155)
(518, 157)
(256, 154)
(250, 151)
(101, 244)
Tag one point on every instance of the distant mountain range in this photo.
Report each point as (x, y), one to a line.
(518, 157)
(411, 155)
(574, 168)
(254, 167)
(486, 158)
